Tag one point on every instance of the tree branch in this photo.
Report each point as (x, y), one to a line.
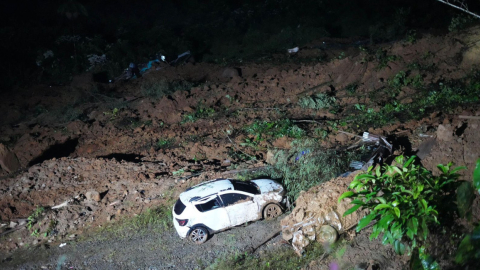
(462, 8)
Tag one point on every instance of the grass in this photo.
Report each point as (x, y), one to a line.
(443, 96)
(307, 164)
(318, 101)
(165, 143)
(201, 112)
(157, 219)
(274, 129)
(351, 88)
(281, 258)
(384, 59)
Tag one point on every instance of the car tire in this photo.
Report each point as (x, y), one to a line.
(198, 235)
(272, 211)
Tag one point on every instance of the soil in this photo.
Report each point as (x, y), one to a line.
(95, 146)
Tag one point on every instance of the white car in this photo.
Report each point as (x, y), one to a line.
(220, 204)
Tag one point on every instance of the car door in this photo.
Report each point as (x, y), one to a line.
(240, 207)
(211, 213)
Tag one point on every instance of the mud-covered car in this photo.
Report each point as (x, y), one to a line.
(224, 203)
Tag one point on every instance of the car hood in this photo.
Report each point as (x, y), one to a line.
(267, 185)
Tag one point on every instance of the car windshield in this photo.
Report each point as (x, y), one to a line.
(179, 207)
(246, 186)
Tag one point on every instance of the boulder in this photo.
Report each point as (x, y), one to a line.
(93, 196)
(445, 133)
(8, 160)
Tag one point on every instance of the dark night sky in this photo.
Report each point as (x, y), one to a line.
(29, 28)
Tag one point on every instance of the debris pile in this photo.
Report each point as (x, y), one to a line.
(316, 208)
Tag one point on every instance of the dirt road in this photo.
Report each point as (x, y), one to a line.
(145, 250)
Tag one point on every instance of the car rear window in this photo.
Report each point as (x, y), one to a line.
(179, 207)
(249, 187)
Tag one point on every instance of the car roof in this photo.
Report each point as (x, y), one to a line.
(205, 189)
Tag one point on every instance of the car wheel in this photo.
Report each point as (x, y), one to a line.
(271, 211)
(198, 235)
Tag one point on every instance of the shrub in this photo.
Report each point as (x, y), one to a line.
(201, 112)
(306, 165)
(274, 129)
(469, 249)
(317, 102)
(404, 200)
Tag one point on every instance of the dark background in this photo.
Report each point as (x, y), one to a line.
(213, 30)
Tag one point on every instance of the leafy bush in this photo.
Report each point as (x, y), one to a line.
(201, 112)
(469, 249)
(317, 102)
(165, 143)
(403, 199)
(445, 96)
(460, 22)
(275, 129)
(306, 165)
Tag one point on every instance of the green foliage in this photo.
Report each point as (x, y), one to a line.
(404, 199)
(178, 173)
(165, 143)
(306, 165)
(275, 129)
(318, 101)
(201, 112)
(476, 176)
(411, 36)
(465, 197)
(469, 249)
(274, 259)
(443, 97)
(460, 22)
(422, 260)
(33, 218)
(402, 79)
(112, 114)
(383, 58)
(351, 88)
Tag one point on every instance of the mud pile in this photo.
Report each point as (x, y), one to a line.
(317, 207)
(81, 192)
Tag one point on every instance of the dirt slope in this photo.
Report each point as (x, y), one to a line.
(70, 139)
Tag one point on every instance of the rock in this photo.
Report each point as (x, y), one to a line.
(425, 148)
(231, 73)
(445, 132)
(318, 215)
(341, 137)
(8, 160)
(35, 242)
(72, 236)
(93, 196)
(226, 163)
(110, 217)
(13, 224)
(270, 157)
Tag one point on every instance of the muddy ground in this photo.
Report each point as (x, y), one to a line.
(109, 151)
(146, 250)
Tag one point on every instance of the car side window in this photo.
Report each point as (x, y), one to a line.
(233, 198)
(210, 205)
